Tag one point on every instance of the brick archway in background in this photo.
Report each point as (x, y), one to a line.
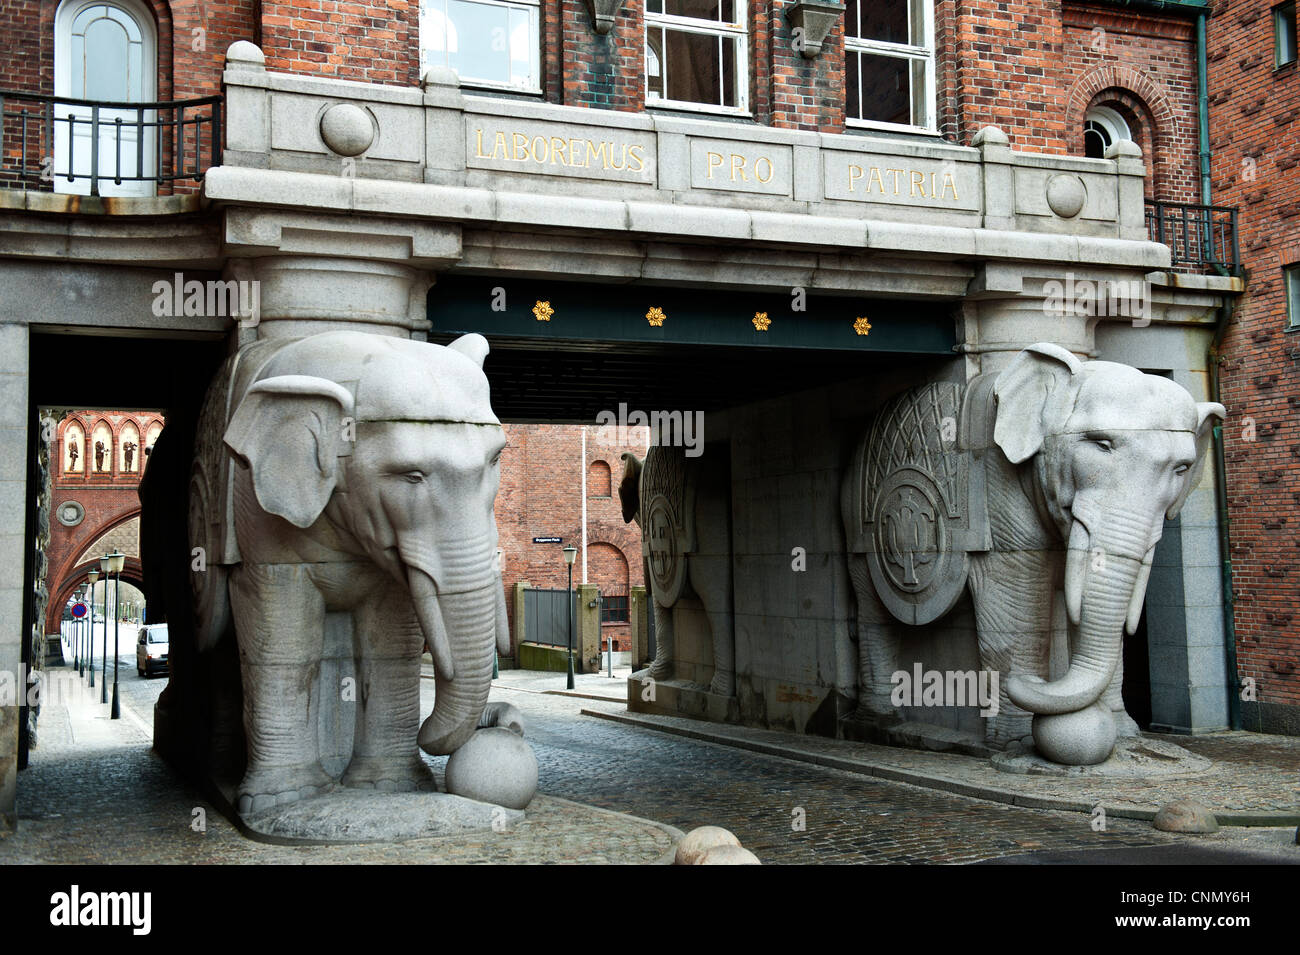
(71, 571)
(1139, 100)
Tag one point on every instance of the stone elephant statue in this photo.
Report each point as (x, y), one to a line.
(683, 507)
(355, 473)
(1053, 475)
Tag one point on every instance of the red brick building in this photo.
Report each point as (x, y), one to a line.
(96, 461)
(1060, 77)
(562, 481)
(1255, 144)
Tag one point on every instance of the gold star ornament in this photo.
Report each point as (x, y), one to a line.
(655, 316)
(761, 321)
(543, 311)
(862, 326)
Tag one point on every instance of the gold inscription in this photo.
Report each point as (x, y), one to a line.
(571, 153)
(739, 168)
(913, 183)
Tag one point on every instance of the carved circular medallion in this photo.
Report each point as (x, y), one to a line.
(70, 513)
(915, 565)
(1066, 195)
(347, 129)
(667, 566)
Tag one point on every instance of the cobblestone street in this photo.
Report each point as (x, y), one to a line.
(90, 778)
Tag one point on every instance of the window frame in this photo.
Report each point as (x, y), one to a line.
(1291, 295)
(1279, 20)
(925, 53)
(739, 30)
(534, 85)
(1109, 119)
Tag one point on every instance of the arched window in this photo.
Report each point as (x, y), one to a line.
(100, 452)
(74, 449)
(104, 50)
(129, 447)
(1102, 126)
(598, 480)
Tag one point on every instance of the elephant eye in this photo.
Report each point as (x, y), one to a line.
(1182, 468)
(413, 477)
(1101, 441)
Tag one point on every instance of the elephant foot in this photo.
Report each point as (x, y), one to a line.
(723, 684)
(1000, 734)
(268, 788)
(1125, 725)
(389, 774)
(660, 669)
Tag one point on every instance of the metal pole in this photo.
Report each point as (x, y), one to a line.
(116, 711)
(570, 603)
(91, 648)
(103, 683)
(609, 641)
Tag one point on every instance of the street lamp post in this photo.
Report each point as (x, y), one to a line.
(115, 562)
(92, 575)
(76, 634)
(570, 553)
(103, 681)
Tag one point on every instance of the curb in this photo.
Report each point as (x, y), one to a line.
(940, 783)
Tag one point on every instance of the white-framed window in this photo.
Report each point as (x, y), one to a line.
(1291, 284)
(697, 55)
(494, 43)
(104, 50)
(889, 64)
(1102, 127)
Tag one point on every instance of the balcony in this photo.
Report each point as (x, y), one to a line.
(106, 149)
(1200, 238)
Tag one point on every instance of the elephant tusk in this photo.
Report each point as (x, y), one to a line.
(1139, 593)
(424, 595)
(1076, 571)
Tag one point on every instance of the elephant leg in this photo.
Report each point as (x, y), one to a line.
(1012, 593)
(724, 653)
(711, 579)
(662, 667)
(1113, 700)
(388, 642)
(879, 639)
(279, 619)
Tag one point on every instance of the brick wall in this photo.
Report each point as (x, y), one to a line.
(542, 469)
(110, 497)
(1255, 142)
(370, 42)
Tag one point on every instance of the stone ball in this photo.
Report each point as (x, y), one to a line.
(1185, 815)
(699, 841)
(346, 128)
(728, 855)
(1082, 738)
(1066, 195)
(495, 766)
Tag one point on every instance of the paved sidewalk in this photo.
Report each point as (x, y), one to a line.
(1255, 779)
(96, 793)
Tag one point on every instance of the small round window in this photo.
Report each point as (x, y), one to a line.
(1102, 126)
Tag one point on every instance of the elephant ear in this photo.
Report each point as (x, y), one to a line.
(1208, 415)
(288, 431)
(1026, 391)
(629, 489)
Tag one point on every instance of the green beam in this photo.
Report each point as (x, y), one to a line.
(598, 313)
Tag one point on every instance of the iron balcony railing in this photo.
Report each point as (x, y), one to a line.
(1201, 238)
(77, 145)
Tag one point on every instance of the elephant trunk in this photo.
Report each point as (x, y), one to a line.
(1105, 583)
(458, 613)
